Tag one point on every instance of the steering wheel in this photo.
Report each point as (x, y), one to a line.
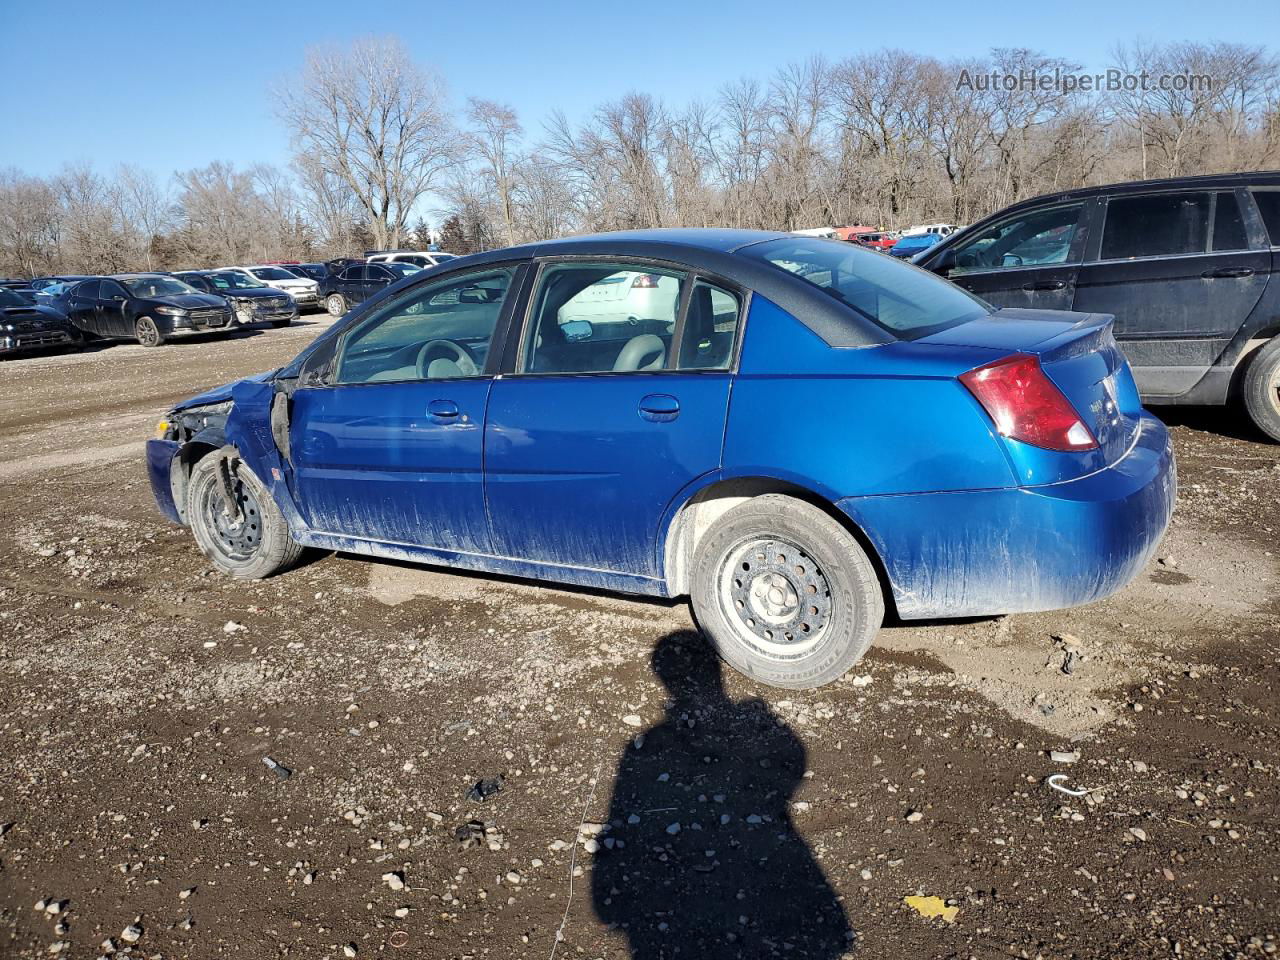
(446, 349)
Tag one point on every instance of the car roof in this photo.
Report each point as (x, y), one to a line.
(136, 276)
(1269, 178)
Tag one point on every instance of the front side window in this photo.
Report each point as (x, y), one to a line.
(907, 302)
(89, 289)
(111, 290)
(353, 273)
(1036, 238)
(438, 331)
(600, 317)
(1161, 225)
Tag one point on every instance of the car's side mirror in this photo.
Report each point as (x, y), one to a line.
(944, 263)
(577, 330)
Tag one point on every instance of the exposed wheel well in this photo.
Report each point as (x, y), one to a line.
(709, 504)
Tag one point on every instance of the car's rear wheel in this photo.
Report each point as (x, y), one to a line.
(1262, 389)
(785, 593)
(336, 304)
(147, 333)
(248, 538)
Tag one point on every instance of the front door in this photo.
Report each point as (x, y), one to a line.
(604, 423)
(82, 306)
(1177, 271)
(1028, 259)
(113, 318)
(390, 448)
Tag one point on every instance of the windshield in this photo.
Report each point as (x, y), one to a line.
(272, 273)
(401, 269)
(230, 280)
(158, 287)
(908, 302)
(10, 299)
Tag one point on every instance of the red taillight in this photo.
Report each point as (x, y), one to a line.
(1026, 406)
(644, 281)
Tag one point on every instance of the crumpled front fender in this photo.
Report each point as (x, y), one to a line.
(248, 429)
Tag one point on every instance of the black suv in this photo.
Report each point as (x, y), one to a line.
(252, 299)
(149, 307)
(1185, 265)
(351, 284)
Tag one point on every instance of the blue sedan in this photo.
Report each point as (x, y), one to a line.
(802, 435)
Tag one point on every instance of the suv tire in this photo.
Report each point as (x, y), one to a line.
(1262, 389)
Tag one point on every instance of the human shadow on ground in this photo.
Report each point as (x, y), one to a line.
(699, 857)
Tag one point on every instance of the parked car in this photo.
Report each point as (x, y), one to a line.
(358, 281)
(913, 244)
(148, 307)
(24, 326)
(1187, 267)
(880, 240)
(306, 271)
(303, 291)
(253, 300)
(41, 283)
(627, 302)
(20, 288)
(419, 258)
(814, 421)
(938, 229)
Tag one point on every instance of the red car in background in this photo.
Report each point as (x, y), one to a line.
(880, 240)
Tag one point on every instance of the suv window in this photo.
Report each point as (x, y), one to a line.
(89, 289)
(437, 331)
(1034, 238)
(1268, 202)
(1228, 224)
(710, 327)
(1160, 225)
(353, 273)
(602, 317)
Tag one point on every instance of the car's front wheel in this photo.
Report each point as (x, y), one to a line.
(243, 534)
(1262, 389)
(336, 304)
(785, 593)
(147, 333)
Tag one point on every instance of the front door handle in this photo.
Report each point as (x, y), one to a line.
(1227, 272)
(442, 411)
(659, 407)
(1045, 285)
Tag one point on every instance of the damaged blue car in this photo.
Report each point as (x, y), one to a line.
(799, 434)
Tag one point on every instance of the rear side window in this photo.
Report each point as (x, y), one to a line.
(1268, 202)
(710, 327)
(907, 302)
(1161, 225)
(1228, 224)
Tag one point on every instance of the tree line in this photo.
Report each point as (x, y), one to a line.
(884, 138)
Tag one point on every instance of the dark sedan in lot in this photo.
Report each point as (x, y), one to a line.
(253, 300)
(147, 307)
(357, 282)
(1187, 267)
(24, 326)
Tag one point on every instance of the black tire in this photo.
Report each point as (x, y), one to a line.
(821, 604)
(148, 333)
(1262, 389)
(336, 304)
(255, 546)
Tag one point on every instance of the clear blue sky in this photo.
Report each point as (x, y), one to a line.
(170, 86)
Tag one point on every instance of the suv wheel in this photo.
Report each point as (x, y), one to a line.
(785, 593)
(336, 304)
(147, 333)
(1262, 389)
(249, 539)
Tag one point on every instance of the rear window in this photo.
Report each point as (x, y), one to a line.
(1268, 202)
(907, 302)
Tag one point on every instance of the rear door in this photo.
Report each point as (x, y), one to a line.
(388, 446)
(1029, 259)
(591, 439)
(1178, 271)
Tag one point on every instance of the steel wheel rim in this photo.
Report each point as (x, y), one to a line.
(775, 597)
(236, 539)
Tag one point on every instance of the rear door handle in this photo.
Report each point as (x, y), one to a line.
(659, 407)
(1045, 285)
(442, 411)
(1227, 272)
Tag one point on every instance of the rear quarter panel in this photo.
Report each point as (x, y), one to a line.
(857, 421)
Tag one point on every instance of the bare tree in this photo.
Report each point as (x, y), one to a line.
(371, 117)
(494, 138)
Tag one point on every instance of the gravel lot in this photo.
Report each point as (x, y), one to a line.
(141, 694)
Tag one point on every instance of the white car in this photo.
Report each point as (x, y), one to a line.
(304, 292)
(419, 258)
(941, 229)
(626, 297)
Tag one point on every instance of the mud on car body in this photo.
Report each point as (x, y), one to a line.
(810, 433)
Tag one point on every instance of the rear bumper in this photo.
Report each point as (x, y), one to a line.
(160, 454)
(980, 553)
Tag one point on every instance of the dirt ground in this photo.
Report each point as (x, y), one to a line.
(141, 694)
